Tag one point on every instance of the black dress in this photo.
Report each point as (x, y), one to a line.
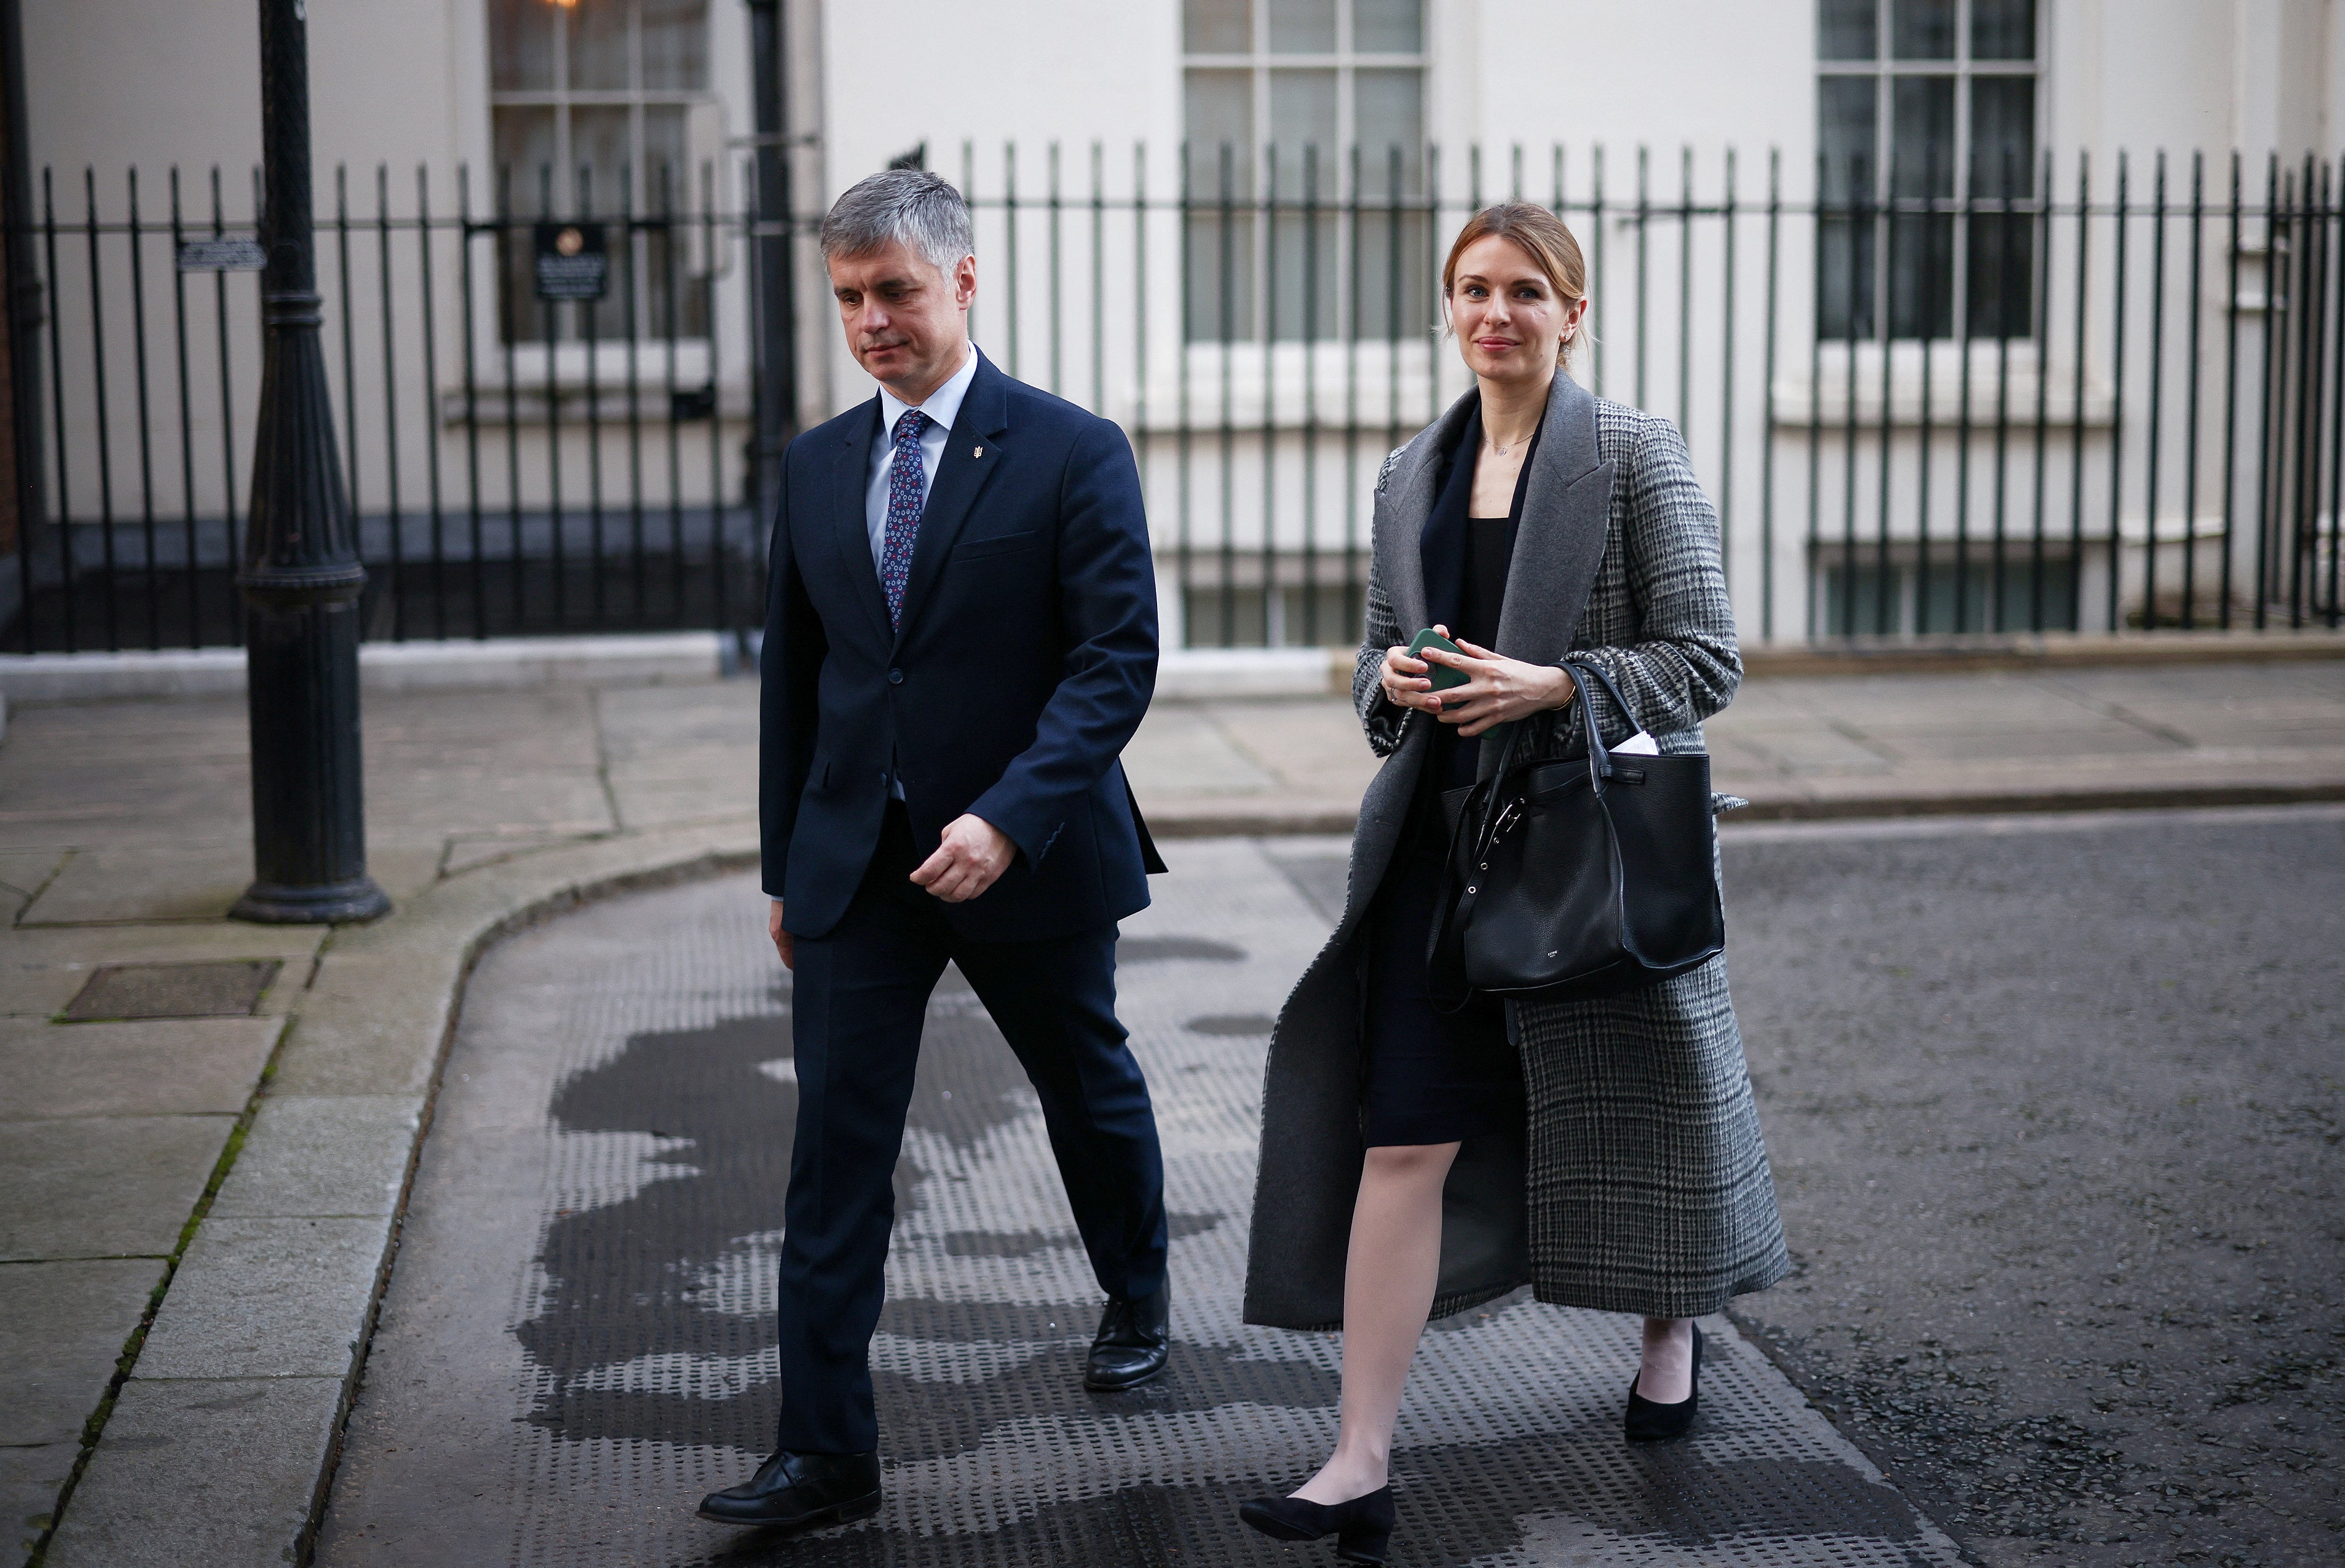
(1432, 1077)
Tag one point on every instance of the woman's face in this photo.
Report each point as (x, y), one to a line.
(1509, 317)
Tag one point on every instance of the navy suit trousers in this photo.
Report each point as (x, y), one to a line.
(859, 995)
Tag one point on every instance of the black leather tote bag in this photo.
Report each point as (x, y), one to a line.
(1578, 878)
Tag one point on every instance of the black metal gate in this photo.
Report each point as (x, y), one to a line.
(548, 392)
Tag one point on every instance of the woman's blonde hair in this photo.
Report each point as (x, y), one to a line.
(1544, 238)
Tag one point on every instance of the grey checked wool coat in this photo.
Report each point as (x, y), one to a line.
(1640, 1183)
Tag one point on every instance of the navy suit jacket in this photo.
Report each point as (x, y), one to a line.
(1024, 660)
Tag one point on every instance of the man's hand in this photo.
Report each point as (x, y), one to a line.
(974, 853)
(782, 942)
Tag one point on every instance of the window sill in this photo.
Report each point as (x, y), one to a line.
(1290, 386)
(2002, 381)
(553, 382)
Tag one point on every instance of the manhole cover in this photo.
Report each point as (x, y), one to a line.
(225, 990)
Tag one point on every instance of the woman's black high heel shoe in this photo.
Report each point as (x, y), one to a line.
(1363, 1527)
(1647, 1421)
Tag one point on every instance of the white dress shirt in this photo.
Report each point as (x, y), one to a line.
(942, 407)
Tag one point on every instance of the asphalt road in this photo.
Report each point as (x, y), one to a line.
(2054, 1106)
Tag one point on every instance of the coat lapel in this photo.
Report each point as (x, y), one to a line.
(1409, 494)
(973, 452)
(850, 530)
(1566, 513)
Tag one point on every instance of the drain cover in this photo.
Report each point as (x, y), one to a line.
(226, 989)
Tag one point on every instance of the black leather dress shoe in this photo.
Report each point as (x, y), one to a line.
(1135, 1340)
(1646, 1421)
(1361, 1527)
(798, 1493)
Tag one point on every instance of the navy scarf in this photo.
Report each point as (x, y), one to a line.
(1441, 543)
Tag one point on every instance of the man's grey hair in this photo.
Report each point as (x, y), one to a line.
(923, 209)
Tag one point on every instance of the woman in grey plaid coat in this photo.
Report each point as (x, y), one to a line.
(1606, 1152)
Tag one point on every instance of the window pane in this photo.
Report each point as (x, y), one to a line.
(1844, 278)
(525, 147)
(526, 155)
(520, 46)
(1219, 114)
(1848, 30)
(2003, 29)
(670, 300)
(676, 46)
(1846, 136)
(1922, 276)
(598, 45)
(2003, 127)
(2003, 250)
(1388, 26)
(1219, 262)
(1921, 133)
(1923, 29)
(1301, 259)
(1301, 110)
(599, 145)
(1389, 119)
(1217, 26)
(1301, 27)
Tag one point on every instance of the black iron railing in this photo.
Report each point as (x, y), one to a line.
(2102, 396)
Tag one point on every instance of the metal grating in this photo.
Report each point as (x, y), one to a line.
(223, 990)
(610, 1146)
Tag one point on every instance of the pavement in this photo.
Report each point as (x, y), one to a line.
(202, 1179)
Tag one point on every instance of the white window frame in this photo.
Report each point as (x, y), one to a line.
(705, 140)
(1333, 184)
(1884, 68)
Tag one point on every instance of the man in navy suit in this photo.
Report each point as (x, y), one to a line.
(961, 637)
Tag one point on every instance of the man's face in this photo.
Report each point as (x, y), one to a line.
(907, 322)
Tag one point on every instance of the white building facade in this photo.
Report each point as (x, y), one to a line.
(1870, 253)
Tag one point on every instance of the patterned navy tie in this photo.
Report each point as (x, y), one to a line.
(903, 511)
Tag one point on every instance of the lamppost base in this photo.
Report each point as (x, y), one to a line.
(333, 904)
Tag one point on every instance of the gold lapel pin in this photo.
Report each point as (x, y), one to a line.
(976, 451)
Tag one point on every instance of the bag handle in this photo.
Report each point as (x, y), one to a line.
(1599, 757)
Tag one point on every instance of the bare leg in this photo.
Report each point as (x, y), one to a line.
(1390, 1278)
(1666, 1376)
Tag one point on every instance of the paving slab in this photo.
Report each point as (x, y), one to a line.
(148, 773)
(370, 1025)
(22, 872)
(42, 968)
(266, 1298)
(673, 755)
(234, 1456)
(321, 1155)
(151, 1068)
(152, 883)
(468, 851)
(62, 1329)
(577, 1337)
(103, 1186)
(1182, 750)
(31, 1478)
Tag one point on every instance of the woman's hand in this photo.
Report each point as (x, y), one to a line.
(1407, 680)
(1497, 690)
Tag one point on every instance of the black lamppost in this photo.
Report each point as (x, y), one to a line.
(778, 359)
(300, 574)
